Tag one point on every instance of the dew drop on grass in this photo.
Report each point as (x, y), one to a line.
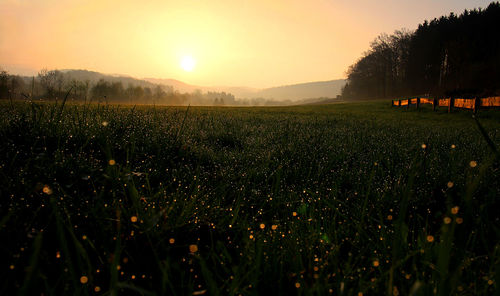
(47, 190)
(193, 248)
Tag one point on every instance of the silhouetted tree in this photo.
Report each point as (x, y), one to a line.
(4, 84)
(80, 89)
(51, 82)
(16, 86)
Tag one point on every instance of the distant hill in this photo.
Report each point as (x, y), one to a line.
(177, 85)
(294, 92)
(93, 77)
(321, 89)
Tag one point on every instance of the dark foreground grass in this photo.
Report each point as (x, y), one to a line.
(339, 199)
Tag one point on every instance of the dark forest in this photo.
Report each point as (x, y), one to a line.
(453, 56)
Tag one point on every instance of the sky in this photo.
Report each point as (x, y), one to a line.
(254, 43)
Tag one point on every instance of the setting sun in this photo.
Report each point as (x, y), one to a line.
(188, 63)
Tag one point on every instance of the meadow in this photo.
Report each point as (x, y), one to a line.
(341, 199)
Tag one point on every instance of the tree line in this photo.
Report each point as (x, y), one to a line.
(55, 85)
(448, 56)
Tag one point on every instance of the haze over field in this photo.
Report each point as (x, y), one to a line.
(265, 147)
(254, 44)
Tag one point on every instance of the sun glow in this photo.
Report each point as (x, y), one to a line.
(188, 63)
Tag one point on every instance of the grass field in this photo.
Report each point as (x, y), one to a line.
(342, 199)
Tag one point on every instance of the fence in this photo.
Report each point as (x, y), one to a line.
(472, 104)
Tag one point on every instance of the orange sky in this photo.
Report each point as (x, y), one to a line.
(257, 43)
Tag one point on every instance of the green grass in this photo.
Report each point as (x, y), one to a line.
(334, 199)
